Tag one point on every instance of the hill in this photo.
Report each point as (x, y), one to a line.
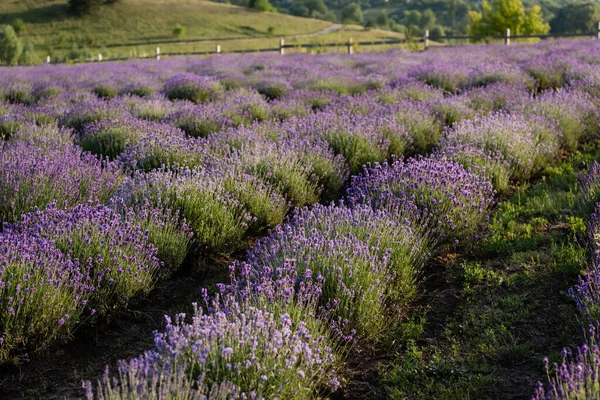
(50, 27)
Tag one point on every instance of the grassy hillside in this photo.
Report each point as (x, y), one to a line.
(137, 22)
(357, 33)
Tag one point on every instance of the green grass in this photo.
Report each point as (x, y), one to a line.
(357, 33)
(136, 22)
(503, 307)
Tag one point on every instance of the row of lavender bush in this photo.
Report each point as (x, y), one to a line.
(118, 172)
(577, 376)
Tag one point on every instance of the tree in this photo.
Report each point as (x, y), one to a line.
(437, 31)
(28, 56)
(316, 8)
(428, 19)
(576, 18)
(10, 46)
(299, 10)
(352, 13)
(412, 18)
(382, 19)
(534, 22)
(499, 15)
(452, 6)
(261, 5)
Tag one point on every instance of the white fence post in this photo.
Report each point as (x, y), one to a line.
(48, 59)
(350, 48)
(598, 31)
(100, 57)
(158, 53)
(218, 49)
(507, 37)
(282, 47)
(426, 38)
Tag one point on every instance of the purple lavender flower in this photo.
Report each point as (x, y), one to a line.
(456, 202)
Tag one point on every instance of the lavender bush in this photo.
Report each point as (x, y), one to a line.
(577, 376)
(115, 255)
(238, 352)
(43, 294)
(528, 144)
(190, 87)
(32, 176)
(456, 202)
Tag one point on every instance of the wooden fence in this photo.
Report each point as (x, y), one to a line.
(350, 44)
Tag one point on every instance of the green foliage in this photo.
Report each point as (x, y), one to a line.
(437, 31)
(428, 19)
(19, 26)
(577, 18)
(179, 31)
(78, 53)
(352, 13)
(261, 5)
(499, 15)
(165, 232)
(11, 46)
(293, 180)
(218, 227)
(108, 142)
(382, 19)
(105, 92)
(412, 18)
(28, 55)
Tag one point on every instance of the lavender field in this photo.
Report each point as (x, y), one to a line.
(406, 225)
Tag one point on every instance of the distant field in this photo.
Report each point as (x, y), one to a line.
(146, 22)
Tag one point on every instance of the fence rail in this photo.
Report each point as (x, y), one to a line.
(350, 44)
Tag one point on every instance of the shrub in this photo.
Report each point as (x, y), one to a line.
(577, 376)
(355, 278)
(32, 177)
(19, 26)
(493, 166)
(261, 5)
(589, 183)
(159, 145)
(113, 254)
(421, 124)
(28, 55)
(105, 91)
(201, 121)
(273, 89)
(191, 87)
(236, 351)
(109, 137)
(359, 138)
(43, 294)
(400, 235)
(529, 144)
(218, 220)
(179, 31)
(10, 46)
(86, 112)
(455, 202)
(574, 113)
(587, 291)
(44, 136)
(169, 233)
